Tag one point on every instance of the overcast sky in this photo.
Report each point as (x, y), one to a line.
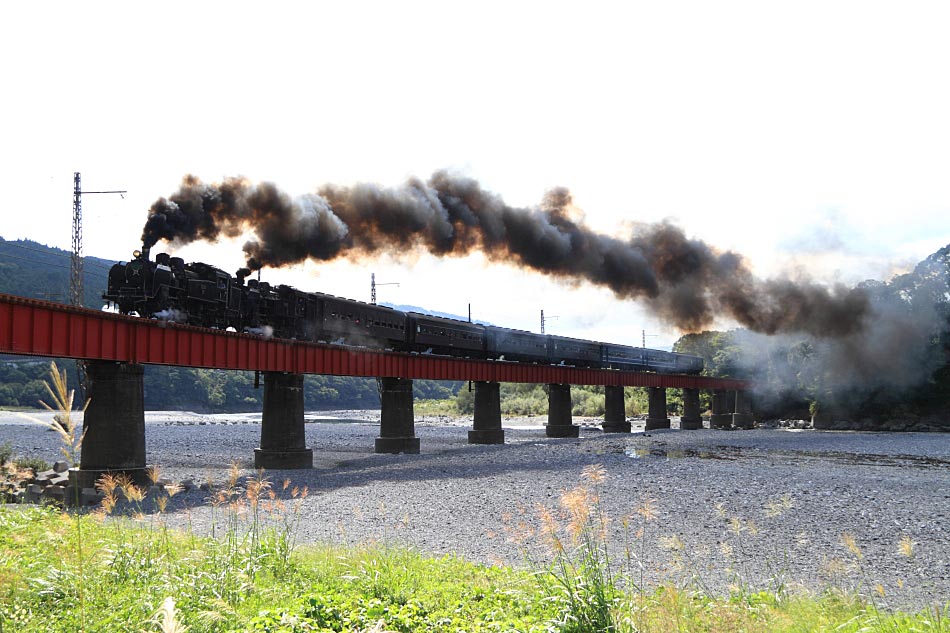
(811, 137)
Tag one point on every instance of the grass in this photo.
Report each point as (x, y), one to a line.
(147, 578)
(237, 583)
(445, 407)
(65, 425)
(141, 576)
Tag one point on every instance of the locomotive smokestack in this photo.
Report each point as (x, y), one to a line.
(145, 252)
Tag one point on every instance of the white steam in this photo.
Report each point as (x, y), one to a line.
(173, 315)
(265, 330)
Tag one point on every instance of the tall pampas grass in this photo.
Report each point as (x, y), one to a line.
(66, 426)
(63, 422)
(166, 618)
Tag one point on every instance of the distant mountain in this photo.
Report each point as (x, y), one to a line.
(34, 270)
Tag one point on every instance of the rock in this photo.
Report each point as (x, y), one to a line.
(55, 492)
(33, 493)
(71, 496)
(60, 467)
(90, 497)
(188, 485)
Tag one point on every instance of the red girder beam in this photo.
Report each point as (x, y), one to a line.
(41, 328)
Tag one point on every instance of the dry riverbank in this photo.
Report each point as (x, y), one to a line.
(764, 505)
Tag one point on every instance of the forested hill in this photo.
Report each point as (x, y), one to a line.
(34, 270)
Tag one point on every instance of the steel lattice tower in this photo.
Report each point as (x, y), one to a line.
(77, 294)
(76, 289)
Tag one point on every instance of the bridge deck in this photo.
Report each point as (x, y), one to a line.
(41, 328)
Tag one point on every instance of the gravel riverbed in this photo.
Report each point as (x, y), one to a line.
(766, 506)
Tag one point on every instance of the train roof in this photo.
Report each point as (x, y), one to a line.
(447, 319)
(450, 320)
(516, 331)
(348, 300)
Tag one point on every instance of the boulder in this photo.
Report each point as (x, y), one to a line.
(44, 476)
(57, 493)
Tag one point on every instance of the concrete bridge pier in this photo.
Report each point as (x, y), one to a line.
(742, 418)
(283, 441)
(397, 424)
(721, 417)
(657, 417)
(691, 419)
(559, 412)
(114, 424)
(486, 427)
(615, 415)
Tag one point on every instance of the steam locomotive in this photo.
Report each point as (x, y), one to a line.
(202, 295)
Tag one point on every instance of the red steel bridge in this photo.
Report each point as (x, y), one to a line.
(41, 328)
(116, 347)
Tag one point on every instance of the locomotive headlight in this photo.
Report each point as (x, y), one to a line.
(136, 254)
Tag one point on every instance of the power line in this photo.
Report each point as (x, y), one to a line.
(545, 319)
(36, 261)
(373, 284)
(50, 252)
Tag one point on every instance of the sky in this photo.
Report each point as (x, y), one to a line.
(811, 137)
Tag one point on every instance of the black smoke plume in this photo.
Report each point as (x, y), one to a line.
(685, 281)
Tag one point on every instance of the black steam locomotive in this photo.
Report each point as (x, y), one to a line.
(202, 295)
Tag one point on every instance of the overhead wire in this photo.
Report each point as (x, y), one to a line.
(36, 261)
(54, 253)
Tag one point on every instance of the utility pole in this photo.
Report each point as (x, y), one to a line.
(544, 318)
(373, 284)
(76, 285)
